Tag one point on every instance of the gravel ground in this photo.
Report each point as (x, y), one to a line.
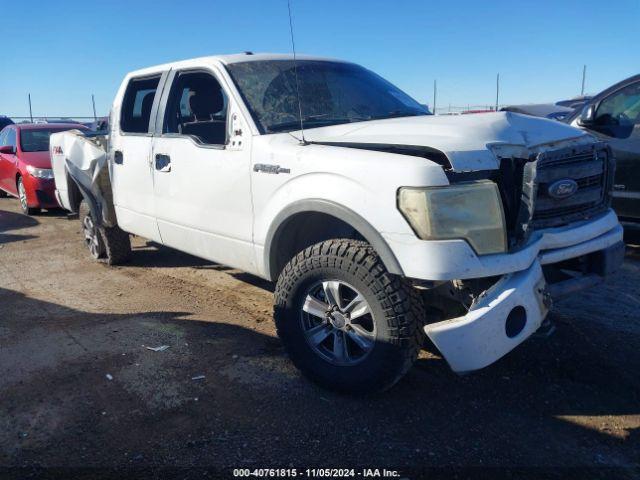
(79, 388)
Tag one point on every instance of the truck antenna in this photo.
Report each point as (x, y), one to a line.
(295, 72)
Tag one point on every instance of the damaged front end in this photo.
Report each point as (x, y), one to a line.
(497, 320)
(480, 320)
(556, 204)
(531, 182)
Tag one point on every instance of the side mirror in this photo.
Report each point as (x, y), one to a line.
(7, 149)
(587, 116)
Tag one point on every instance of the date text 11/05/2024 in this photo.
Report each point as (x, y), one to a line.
(316, 473)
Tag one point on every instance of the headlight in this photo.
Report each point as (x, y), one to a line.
(40, 172)
(471, 211)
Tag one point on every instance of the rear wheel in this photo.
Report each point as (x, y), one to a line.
(347, 323)
(92, 238)
(3, 194)
(24, 203)
(111, 245)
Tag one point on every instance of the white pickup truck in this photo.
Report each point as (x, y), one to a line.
(379, 223)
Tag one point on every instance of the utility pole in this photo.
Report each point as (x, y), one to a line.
(435, 95)
(584, 75)
(30, 112)
(497, 91)
(93, 101)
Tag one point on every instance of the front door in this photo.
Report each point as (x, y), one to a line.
(202, 182)
(617, 120)
(130, 150)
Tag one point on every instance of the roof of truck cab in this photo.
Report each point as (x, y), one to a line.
(230, 59)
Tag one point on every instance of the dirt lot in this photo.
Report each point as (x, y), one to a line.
(568, 405)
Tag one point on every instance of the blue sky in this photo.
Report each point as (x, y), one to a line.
(64, 51)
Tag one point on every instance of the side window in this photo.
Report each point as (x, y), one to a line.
(197, 106)
(621, 108)
(11, 138)
(137, 103)
(3, 137)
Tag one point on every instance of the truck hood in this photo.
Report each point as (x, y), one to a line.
(36, 159)
(464, 139)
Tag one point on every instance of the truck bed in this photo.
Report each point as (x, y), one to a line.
(81, 171)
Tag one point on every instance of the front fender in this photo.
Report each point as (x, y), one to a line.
(364, 228)
(356, 186)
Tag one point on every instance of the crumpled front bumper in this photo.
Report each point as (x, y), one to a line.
(479, 338)
(514, 308)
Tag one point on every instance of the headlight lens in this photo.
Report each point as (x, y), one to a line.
(471, 211)
(40, 172)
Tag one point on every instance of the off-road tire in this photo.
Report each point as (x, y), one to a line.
(114, 243)
(397, 310)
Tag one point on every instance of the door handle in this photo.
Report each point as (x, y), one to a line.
(118, 157)
(163, 162)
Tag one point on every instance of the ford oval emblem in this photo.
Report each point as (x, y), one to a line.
(563, 188)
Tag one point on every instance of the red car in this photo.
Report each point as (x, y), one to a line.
(25, 165)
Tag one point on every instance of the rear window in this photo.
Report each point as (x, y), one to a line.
(38, 140)
(137, 103)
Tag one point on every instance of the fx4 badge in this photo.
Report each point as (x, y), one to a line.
(563, 188)
(266, 168)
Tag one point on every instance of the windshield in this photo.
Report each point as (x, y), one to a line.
(330, 93)
(38, 140)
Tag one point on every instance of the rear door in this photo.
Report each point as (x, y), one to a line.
(130, 150)
(202, 177)
(617, 120)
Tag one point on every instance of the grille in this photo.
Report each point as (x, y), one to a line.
(590, 166)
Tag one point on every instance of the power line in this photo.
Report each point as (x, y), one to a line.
(93, 101)
(435, 95)
(497, 91)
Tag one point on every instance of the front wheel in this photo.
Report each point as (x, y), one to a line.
(347, 323)
(24, 202)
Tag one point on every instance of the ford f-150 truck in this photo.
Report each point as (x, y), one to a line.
(381, 225)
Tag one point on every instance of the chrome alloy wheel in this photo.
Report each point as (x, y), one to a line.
(338, 323)
(91, 238)
(22, 195)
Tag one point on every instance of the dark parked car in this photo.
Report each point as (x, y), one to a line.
(4, 121)
(576, 102)
(101, 124)
(614, 116)
(546, 110)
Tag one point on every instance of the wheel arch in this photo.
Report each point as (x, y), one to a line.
(326, 218)
(74, 193)
(92, 203)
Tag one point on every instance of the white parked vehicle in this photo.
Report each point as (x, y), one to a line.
(379, 223)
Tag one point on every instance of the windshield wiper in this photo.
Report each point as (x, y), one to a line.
(398, 114)
(312, 121)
